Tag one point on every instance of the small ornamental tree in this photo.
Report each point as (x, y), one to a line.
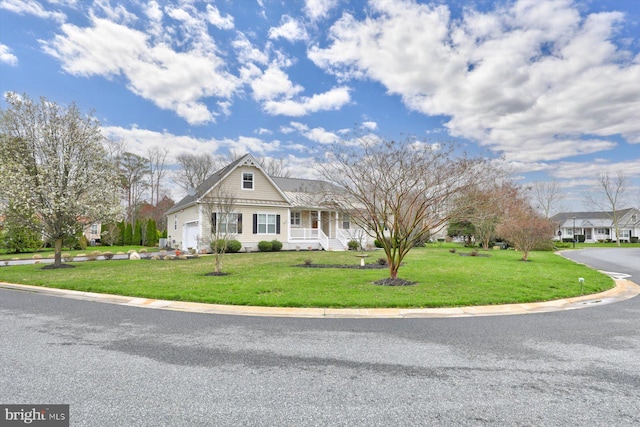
(53, 162)
(399, 192)
(151, 234)
(219, 205)
(525, 228)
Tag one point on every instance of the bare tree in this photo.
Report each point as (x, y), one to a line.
(157, 158)
(194, 169)
(482, 206)
(609, 195)
(53, 163)
(218, 206)
(547, 195)
(275, 166)
(399, 191)
(523, 227)
(134, 171)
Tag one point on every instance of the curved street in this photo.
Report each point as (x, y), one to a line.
(117, 365)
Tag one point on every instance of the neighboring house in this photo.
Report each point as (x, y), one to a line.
(92, 233)
(300, 213)
(598, 226)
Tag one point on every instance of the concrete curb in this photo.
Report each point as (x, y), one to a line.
(623, 290)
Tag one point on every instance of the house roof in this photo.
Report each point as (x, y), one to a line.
(299, 192)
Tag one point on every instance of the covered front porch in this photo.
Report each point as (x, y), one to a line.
(325, 229)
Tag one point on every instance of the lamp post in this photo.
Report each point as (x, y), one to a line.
(574, 232)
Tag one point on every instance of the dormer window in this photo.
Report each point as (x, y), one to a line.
(247, 181)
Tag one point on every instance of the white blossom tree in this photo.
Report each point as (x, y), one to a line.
(53, 163)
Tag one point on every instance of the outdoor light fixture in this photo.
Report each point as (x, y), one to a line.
(581, 280)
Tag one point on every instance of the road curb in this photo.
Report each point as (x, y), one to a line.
(623, 290)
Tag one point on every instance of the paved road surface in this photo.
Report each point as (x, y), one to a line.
(118, 366)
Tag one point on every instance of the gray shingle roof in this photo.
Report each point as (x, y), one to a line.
(300, 192)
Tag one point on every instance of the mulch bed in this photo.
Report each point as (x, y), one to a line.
(394, 282)
(214, 273)
(55, 267)
(359, 267)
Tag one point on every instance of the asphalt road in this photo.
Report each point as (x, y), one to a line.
(127, 366)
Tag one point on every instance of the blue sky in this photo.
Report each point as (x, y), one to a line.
(552, 86)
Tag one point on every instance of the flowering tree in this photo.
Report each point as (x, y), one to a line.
(53, 163)
(399, 192)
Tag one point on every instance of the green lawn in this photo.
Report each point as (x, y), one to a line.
(443, 279)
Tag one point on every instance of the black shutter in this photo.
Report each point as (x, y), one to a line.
(277, 224)
(214, 221)
(255, 223)
(239, 223)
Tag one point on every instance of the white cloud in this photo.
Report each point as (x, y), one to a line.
(317, 134)
(6, 56)
(248, 144)
(318, 9)
(215, 18)
(31, 7)
(533, 73)
(263, 131)
(173, 80)
(371, 125)
(290, 29)
(247, 53)
(274, 83)
(333, 99)
(138, 141)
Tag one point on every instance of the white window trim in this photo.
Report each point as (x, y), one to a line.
(234, 222)
(266, 224)
(296, 219)
(253, 181)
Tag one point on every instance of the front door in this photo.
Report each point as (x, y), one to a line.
(587, 233)
(314, 220)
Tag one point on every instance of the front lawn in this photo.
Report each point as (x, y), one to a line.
(444, 279)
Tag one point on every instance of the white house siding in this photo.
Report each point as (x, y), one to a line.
(177, 224)
(263, 189)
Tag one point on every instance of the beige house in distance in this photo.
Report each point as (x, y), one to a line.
(300, 213)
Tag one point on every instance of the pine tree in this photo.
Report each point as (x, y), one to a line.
(137, 234)
(128, 234)
(152, 234)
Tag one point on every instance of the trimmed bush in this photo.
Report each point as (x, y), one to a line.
(353, 245)
(218, 245)
(108, 255)
(66, 257)
(233, 246)
(382, 261)
(264, 246)
(276, 245)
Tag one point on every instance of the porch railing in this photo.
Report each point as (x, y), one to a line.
(304, 234)
(324, 240)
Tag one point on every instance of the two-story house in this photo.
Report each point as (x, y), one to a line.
(300, 213)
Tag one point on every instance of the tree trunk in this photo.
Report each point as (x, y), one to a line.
(393, 270)
(58, 252)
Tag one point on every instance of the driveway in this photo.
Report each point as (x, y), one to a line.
(117, 365)
(624, 260)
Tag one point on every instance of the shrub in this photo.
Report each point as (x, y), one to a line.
(377, 243)
(108, 255)
(233, 246)
(66, 257)
(93, 255)
(218, 245)
(264, 246)
(382, 261)
(353, 245)
(276, 245)
(474, 253)
(142, 251)
(308, 261)
(452, 250)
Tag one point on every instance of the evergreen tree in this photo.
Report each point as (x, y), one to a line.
(137, 234)
(128, 234)
(152, 234)
(122, 229)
